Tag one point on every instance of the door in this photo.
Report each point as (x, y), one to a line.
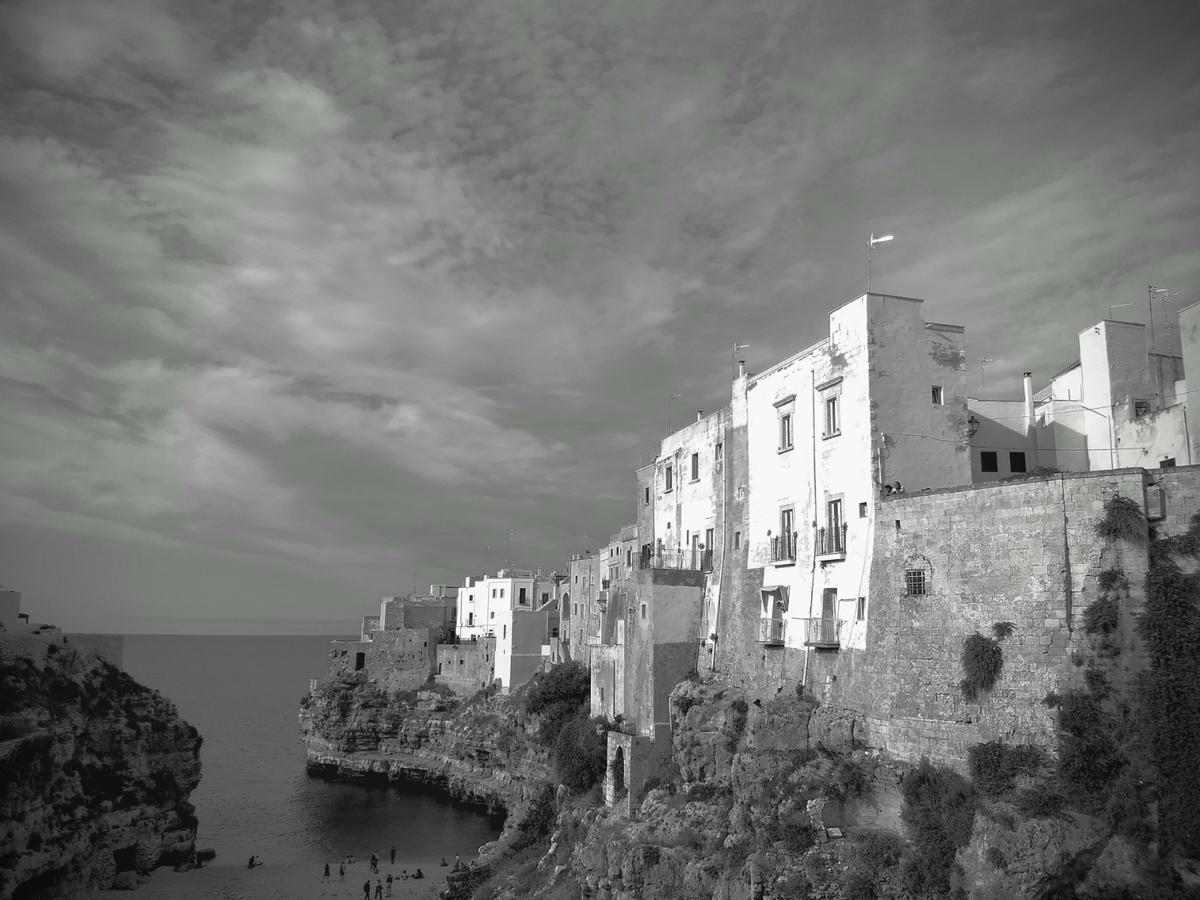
(696, 550)
(829, 603)
(708, 548)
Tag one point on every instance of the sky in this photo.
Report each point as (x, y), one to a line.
(303, 303)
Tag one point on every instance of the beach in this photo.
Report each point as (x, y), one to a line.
(286, 882)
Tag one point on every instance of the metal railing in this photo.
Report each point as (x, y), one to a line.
(830, 541)
(771, 631)
(821, 632)
(783, 548)
(689, 559)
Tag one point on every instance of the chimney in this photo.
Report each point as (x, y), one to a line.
(1027, 378)
(699, 414)
(741, 368)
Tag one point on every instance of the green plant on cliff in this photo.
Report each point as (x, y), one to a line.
(580, 749)
(939, 809)
(557, 696)
(1123, 520)
(982, 662)
(1170, 688)
(1089, 757)
(995, 766)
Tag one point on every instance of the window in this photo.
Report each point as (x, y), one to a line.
(670, 480)
(862, 510)
(914, 583)
(787, 518)
(646, 499)
(988, 461)
(576, 605)
(937, 395)
(470, 618)
(719, 452)
(737, 540)
(492, 614)
(833, 420)
(695, 467)
(1141, 408)
(860, 609)
(1016, 461)
(493, 592)
(833, 516)
(643, 611)
(501, 593)
(629, 557)
(505, 631)
(1168, 463)
(785, 431)
(521, 598)
(545, 597)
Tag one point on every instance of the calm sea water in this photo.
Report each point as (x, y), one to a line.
(243, 694)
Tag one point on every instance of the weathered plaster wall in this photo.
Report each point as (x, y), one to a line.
(1147, 440)
(467, 667)
(608, 681)
(400, 660)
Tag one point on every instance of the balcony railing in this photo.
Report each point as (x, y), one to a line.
(771, 631)
(830, 542)
(783, 548)
(821, 632)
(695, 560)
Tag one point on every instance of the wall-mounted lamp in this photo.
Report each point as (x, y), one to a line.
(972, 427)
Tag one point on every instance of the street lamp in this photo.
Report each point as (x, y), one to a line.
(872, 243)
(972, 427)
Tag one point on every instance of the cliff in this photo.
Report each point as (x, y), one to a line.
(480, 751)
(95, 773)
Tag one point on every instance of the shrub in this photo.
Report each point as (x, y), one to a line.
(701, 792)
(1002, 630)
(1123, 520)
(579, 754)
(848, 779)
(996, 765)
(858, 884)
(982, 660)
(996, 857)
(1097, 682)
(878, 850)
(939, 808)
(1101, 616)
(538, 821)
(1088, 756)
(1041, 802)
(566, 682)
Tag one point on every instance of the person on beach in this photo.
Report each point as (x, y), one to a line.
(325, 877)
(389, 884)
(342, 871)
(418, 874)
(443, 862)
(374, 863)
(367, 889)
(393, 854)
(378, 889)
(404, 873)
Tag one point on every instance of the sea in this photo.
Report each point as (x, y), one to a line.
(255, 798)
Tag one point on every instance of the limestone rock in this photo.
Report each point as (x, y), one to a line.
(95, 772)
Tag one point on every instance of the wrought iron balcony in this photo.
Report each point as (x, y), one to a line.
(771, 631)
(783, 548)
(695, 560)
(821, 632)
(830, 543)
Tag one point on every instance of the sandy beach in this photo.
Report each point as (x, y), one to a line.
(285, 882)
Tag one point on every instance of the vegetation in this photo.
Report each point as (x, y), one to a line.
(558, 696)
(995, 765)
(580, 750)
(982, 661)
(1002, 630)
(1123, 520)
(939, 808)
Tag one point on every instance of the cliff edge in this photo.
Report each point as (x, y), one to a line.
(95, 773)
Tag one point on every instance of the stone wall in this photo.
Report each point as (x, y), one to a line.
(1023, 552)
(399, 660)
(467, 667)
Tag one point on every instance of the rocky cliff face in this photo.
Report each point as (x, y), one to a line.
(95, 773)
(479, 751)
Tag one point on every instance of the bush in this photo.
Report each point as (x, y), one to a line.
(1113, 580)
(1123, 520)
(858, 884)
(996, 765)
(1002, 630)
(939, 808)
(1101, 616)
(579, 754)
(1088, 756)
(538, 821)
(566, 682)
(878, 850)
(698, 793)
(996, 857)
(848, 779)
(1041, 802)
(982, 661)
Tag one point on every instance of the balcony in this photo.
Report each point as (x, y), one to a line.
(830, 543)
(771, 631)
(821, 633)
(694, 560)
(783, 548)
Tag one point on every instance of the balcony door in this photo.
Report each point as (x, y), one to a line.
(829, 603)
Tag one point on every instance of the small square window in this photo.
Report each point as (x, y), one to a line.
(1141, 408)
(937, 395)
(1168, 463)
(914, 583)
(860, 609)
(988, 461)
(862, 510)
(1016, 461)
